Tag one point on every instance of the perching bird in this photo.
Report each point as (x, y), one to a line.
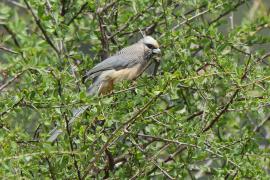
(126, 64)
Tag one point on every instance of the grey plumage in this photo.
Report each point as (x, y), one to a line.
(126, 59)
(123, 59)
(128, 63)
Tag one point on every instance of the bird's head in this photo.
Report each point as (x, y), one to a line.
(151, 44)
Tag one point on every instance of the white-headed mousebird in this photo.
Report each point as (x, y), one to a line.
(126, 64)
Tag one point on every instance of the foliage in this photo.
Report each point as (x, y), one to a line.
(203, 114)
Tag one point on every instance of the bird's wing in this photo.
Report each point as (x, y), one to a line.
(116, 62)
(125, 58)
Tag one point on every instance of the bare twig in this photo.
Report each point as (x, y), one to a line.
(8, 50)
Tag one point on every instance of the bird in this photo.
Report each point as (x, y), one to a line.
(125, 64)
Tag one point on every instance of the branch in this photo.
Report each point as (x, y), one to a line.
(12, 107)
(225, 108)
(103, 38)
(258, 127)
(13, 35)
(51, 170)
(78, 13)
(38, 22)
(228, 11)
(11, 80)
(133, 18)
(8, 50)
(112, 137)
(16, 4)
(194, 115)
(107, 6)
(255, 130)
(71, 144)
(222, 111)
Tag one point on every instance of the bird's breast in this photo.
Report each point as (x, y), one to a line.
(126, 74)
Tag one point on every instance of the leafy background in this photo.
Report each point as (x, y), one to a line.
(203, 113)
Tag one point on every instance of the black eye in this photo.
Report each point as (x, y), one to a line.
(150, 46)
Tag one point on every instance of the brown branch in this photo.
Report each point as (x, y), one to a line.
(263, 57)
(258, 127)
(183, 146)
(121, 91)
(38, 22)
(148, 29)
(194, 115)
(106, 7)
(193, 17)
(110, 164)
(152, 159)
(171, 157)
(12, 107)
(228, 11)
(206, 11)
(75, 162)
(121, 159)
(11, 80)
(78, 13)
(13, 35)
(8, 50)
(103, 38)
(63, 9)
(130, 20)
(162, 170)
(103, 31)
(222, 111)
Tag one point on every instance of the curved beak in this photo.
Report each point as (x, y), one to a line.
(156, 51)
